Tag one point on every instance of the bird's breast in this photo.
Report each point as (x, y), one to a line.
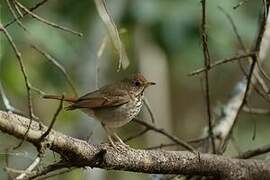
(114, 117)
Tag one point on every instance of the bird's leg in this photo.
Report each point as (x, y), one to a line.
(120, 140)
(111, 141)
(109, 135)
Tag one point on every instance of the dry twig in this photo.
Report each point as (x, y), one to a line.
(256, 110)
(222, 61)
(207, 62)
(53, 119)
(25, 13)
(240, 4)
(46, 21)
(27, 83)
(113, 32)
(32, 166)
(57, 65)
(255, 152)
(162, 131)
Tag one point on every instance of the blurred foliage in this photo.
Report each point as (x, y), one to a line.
(172, 24)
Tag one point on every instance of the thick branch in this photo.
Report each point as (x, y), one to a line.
(79, 153)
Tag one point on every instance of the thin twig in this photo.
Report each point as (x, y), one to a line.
(59, 66)
(240, 4)
(14, 15)
(8, 105)
(27, 84)
(262, 83)
(142, 132)
(5, 99)
(149, 109)
(17, 171)
(265, 75)
(46, 21)
(55, 173)
(38, 91)
(66, 164)
(228, 16)
(207, 62)
(113, 32)
(53, 119)
(197, 140)
(25, 13)
(48, 169)
(25, 154)
(7, 163)
(222, 61)
(32, 166)
(256, 110)
(237, 34)
(18, 10)
(162, 131)
(255, 152)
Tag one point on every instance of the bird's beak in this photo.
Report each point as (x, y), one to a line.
(150, 84)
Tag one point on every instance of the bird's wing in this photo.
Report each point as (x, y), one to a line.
(97, 99)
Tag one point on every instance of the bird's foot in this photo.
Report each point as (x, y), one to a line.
(121, 142)
(120, 147)
(123, 145)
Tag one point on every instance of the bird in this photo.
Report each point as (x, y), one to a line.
(114, 105)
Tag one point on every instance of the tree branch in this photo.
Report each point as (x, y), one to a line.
(79, 153)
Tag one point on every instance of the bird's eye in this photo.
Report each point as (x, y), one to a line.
(137, 83)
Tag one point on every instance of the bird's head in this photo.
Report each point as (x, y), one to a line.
(138, 83)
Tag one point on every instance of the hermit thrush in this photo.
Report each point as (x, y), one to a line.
(114, 105)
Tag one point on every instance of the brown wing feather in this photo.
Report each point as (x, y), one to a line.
(98, 99)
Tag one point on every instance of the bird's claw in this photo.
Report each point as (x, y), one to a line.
(120, 147)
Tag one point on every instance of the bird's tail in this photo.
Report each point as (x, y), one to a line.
(67, 99)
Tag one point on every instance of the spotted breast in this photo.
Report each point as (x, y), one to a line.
(114, 117)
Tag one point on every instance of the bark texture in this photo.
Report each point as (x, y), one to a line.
(78, 153)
